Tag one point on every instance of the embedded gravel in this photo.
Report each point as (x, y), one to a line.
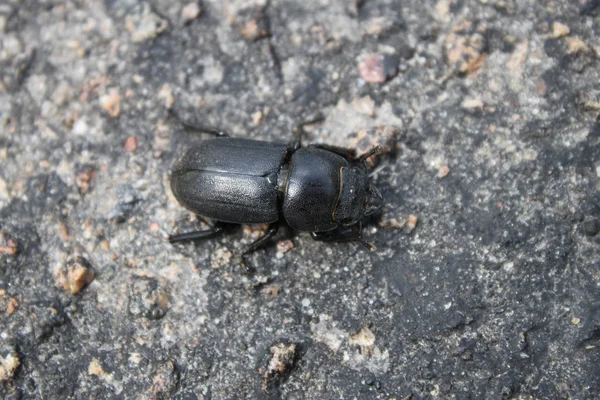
(486, 278)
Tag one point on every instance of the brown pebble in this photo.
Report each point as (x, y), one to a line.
(364, 105)
(63, 232)
(8, 366)
(576, 46)
(131, 144)
(83, 179)
(105, 245)
(76, 275)
(94, 368)
(559, 30)
(254, 231)
(257, 118)
(272, 291)
(154, 227)
(281, 363)
(393, 222)
(443, 171)
(166, 95)
(283, 246)
(253, 24)
(12, 306)
(10, 248)
(190, 12)
(220, 257)
(111, 103)
(7, 303)
(377, 68)
(412, 223)
(466, 47)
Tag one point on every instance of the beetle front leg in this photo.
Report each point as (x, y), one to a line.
(258, 243)
(298, 132)
(349, 234)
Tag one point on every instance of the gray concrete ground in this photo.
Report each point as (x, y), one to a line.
(486, 280)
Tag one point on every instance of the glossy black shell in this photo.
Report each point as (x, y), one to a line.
(312, 189)
(230, 180)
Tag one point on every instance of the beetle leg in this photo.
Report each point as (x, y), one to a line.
(349, 154)
(198, 127)
(195, 235)
(372, 152)
(350, 234)
(258, 243)
(298, 132)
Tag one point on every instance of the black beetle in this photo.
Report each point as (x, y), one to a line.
(322, 189)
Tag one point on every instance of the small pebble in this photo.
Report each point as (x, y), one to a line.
(190, 12)
(253, 24)
(8, 246)
(283, 246)
(443, 171)
(364, 105)
(576, 46)
(111, 103)
(8, 304)
(559, 30)
(280, 364)
(220, 258)
(166, 95)
(8, 366)
(76, 275)
(378, 68)
(131, 144)
(466, 47)
(412, 223)
(145, 25)
(10, 250)
(83, 179)
(257, 118)
(272, 291)
(472, 104)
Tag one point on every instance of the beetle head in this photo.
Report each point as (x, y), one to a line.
(350, 207)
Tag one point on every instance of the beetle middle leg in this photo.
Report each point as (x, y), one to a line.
(258, 243)
(347, 234)
(298, 132)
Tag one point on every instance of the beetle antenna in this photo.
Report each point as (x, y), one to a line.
(372, 152)
(197, 127)
(376, 171)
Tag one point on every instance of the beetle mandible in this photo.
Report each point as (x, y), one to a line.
(322, 189)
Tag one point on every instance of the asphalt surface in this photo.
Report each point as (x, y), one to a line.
(486, 279)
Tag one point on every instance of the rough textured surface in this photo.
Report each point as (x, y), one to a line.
(489, 290)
